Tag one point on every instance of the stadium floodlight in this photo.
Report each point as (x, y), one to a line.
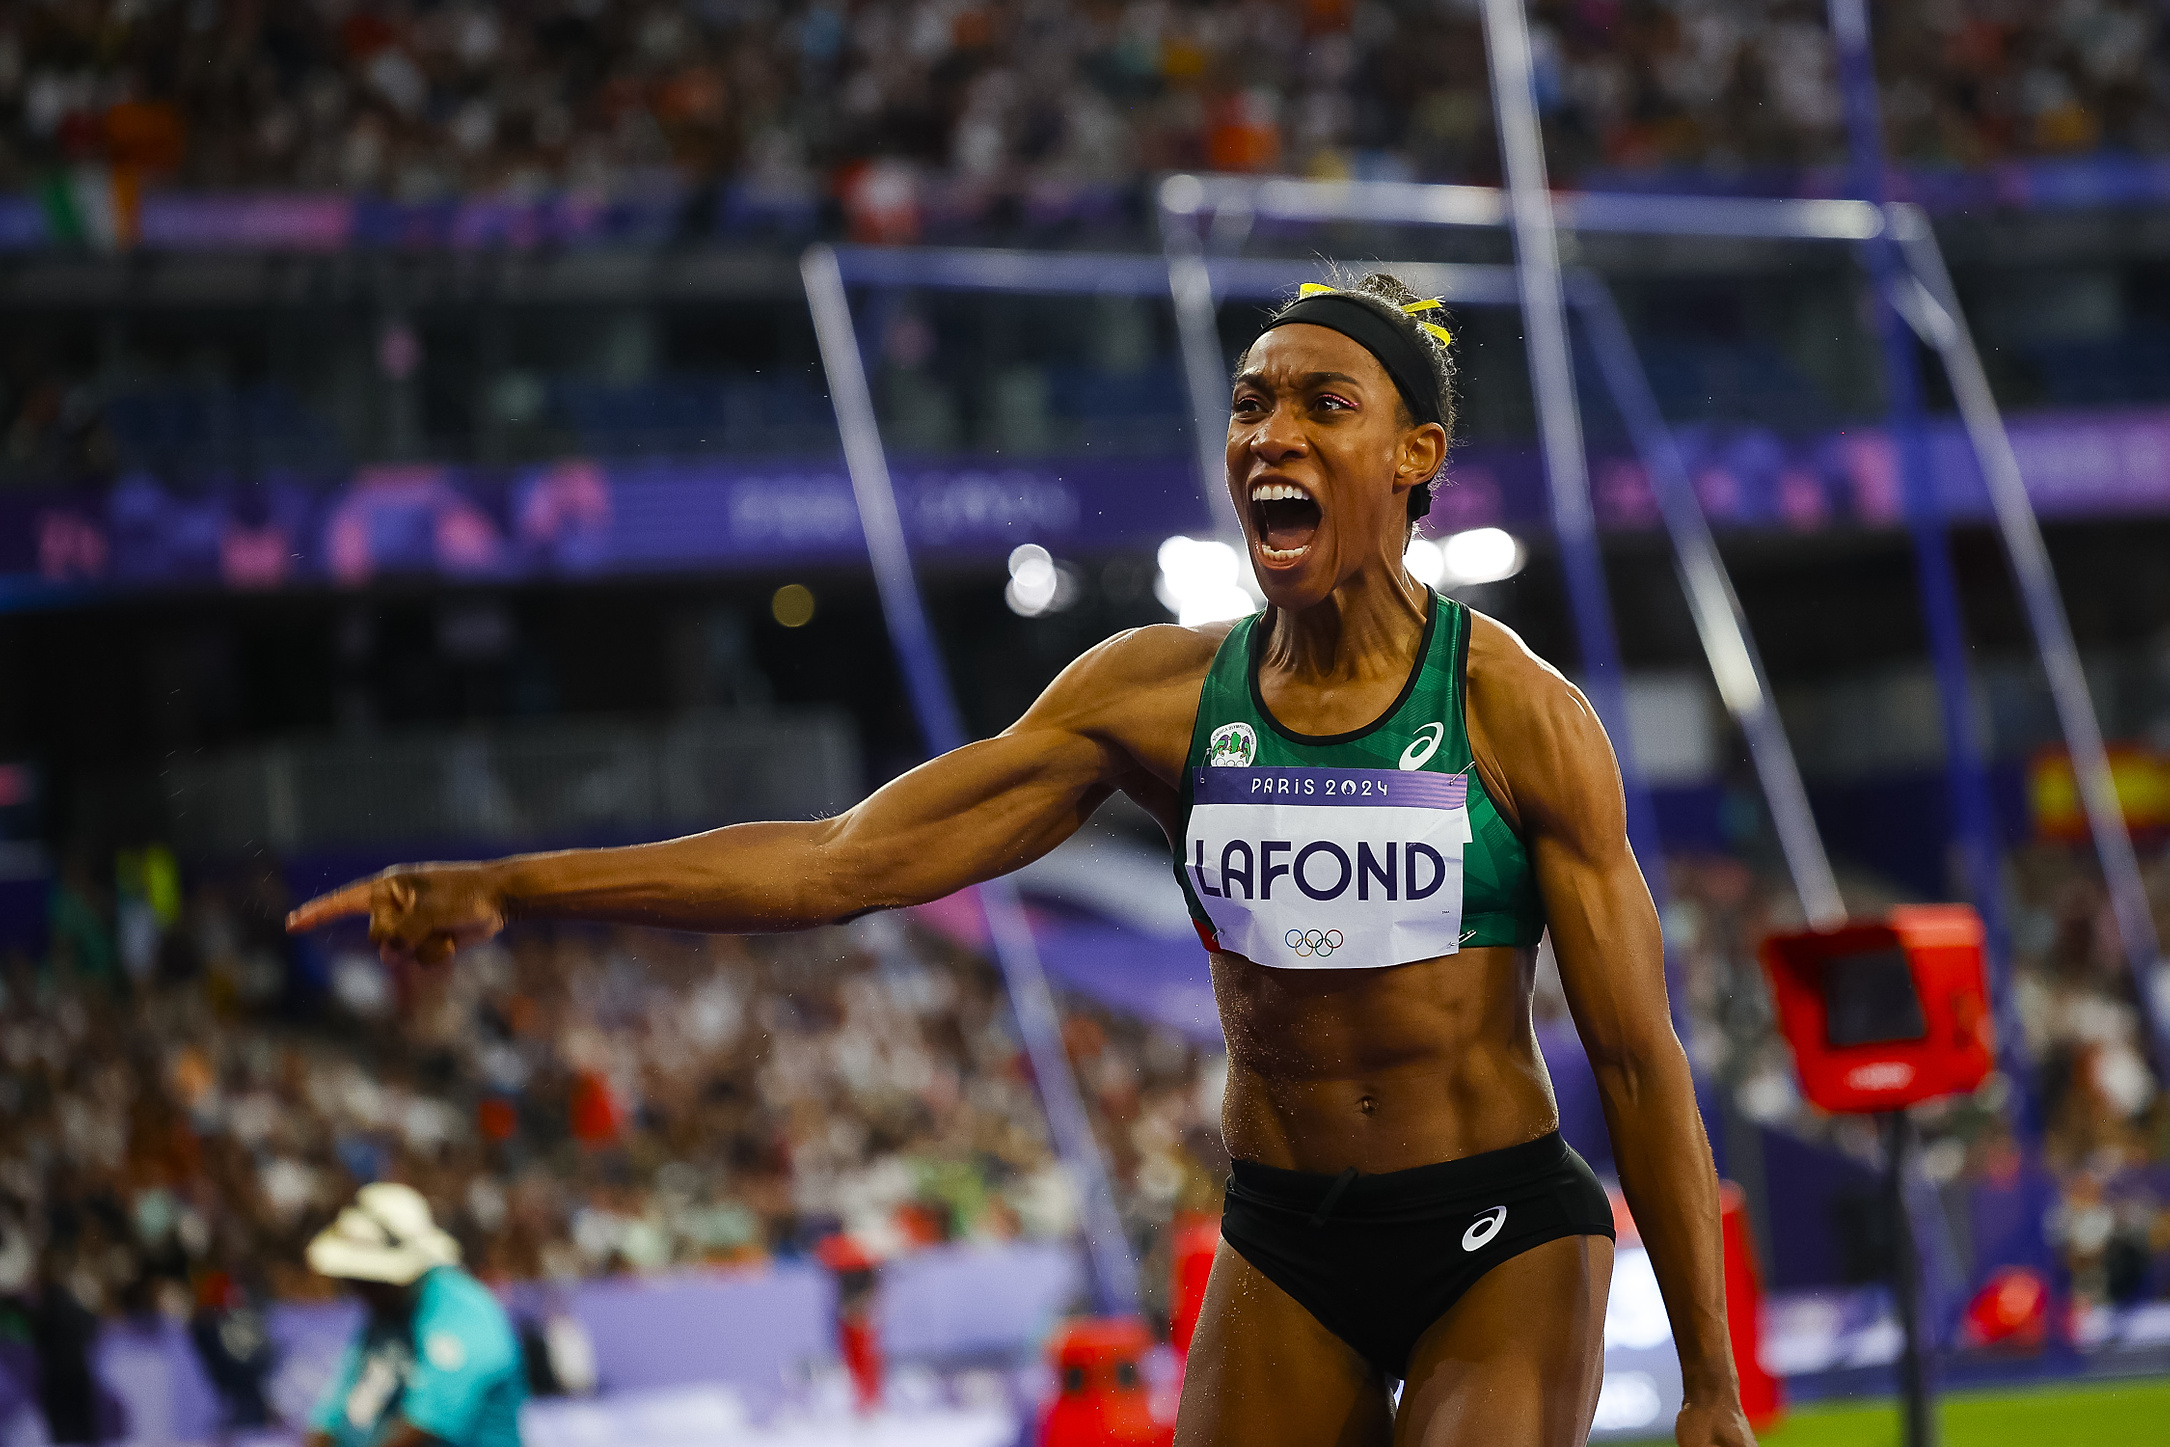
(1480, 555)
(1425, 562)
(1201, 581)
(1038, 584)
(1465, 559)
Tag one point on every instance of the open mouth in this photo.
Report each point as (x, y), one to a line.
(1284, 519)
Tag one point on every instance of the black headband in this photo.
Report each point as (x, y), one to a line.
(1397, 349)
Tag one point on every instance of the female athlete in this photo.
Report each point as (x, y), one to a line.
(1378, 800)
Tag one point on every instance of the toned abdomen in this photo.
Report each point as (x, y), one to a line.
(1381, 1069)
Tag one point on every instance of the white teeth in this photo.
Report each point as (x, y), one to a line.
(1279, 492)
(1283, 555)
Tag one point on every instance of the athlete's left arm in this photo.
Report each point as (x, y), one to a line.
(1542, 750)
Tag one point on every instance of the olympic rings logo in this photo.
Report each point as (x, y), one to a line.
(1307, 943)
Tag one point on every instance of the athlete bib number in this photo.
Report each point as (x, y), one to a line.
(1330, 868)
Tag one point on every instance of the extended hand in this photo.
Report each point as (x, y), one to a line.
(417, 912)
(1725, 1426)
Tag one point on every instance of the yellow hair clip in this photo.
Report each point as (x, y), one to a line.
(1445, 337)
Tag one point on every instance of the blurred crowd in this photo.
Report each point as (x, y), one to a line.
(2103, 1119)
(416, 99)
(186, 1096)
(186, 1093)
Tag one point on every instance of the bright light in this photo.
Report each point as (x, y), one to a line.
(1182, 194)
(793, 605)
(1481, 555)
(1198, 581)
(1625, 1401)
(1038, 584)
(1635, 1310)
(1425, 562)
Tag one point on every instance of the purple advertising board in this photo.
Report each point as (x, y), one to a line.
(573, 518)
(577, 517)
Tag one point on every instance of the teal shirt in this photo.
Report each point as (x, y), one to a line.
(453, 1370)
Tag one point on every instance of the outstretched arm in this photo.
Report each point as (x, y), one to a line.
(1109, 721)
(1563, 783)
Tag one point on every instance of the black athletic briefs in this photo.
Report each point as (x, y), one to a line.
(1378, 1259)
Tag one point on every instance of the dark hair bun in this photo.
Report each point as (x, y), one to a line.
(1388, 294)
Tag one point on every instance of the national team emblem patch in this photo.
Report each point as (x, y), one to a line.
(1232, 746)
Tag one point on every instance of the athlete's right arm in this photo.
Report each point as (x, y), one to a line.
(1118, 717)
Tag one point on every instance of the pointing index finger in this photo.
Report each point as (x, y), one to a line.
(341, 903)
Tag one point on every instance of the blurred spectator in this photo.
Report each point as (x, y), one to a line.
(1016, 97)
(82, 935)
(62, 1329)
(231, 1340)
(574, 1102)
(578, 1102)
(2105, 1120)
(436, 1359)
(559, 1354)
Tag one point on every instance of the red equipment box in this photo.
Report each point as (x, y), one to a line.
(1101, 1395)
(1881, 1016)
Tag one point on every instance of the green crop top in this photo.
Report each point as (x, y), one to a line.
(1351, 851)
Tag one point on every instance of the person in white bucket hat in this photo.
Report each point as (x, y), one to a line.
(436, 1360)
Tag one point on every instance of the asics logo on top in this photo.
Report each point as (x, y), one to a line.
(1425, 745)
(1484, 1228)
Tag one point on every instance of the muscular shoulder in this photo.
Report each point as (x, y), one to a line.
(1138, 689)
(1511, 686)
(1139, 660)
(1163, 653)
(1535, 735)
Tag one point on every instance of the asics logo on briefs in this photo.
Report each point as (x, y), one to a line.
(1484, 1228)
(1423, 747)
(1309, 942)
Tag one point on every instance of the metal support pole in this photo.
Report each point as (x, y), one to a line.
(1973, 820)
(1719, 621)
(1928, 301)
(1915, 1385)
(1205, 376)
(1559, 419)
(1114, 1273)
